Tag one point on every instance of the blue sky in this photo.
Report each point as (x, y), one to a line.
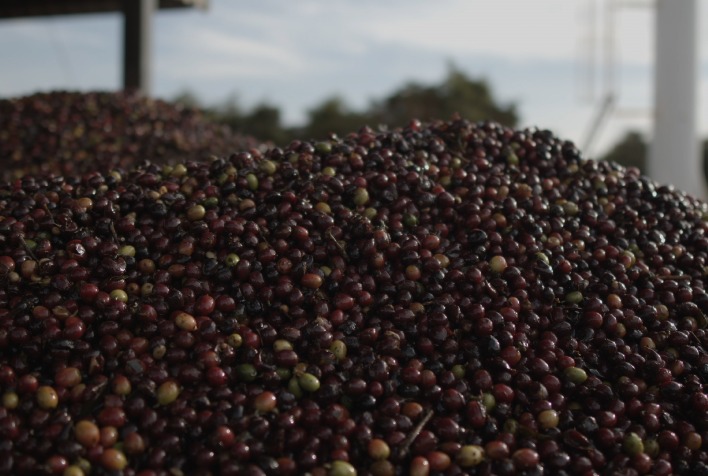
(295, 54)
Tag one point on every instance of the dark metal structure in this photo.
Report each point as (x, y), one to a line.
(137, 32)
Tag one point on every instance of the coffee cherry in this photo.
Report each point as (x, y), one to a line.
(497, 264)
(73, 470)
(47, 397)
(576, 375)
(87, 433)
(382, 468)
(265, 401)
(186, 322)
(113, 459)
(196, 212)
(10, 400)
(339, 349)
(378, 449)
(633, 444)
(68, 377)
(119, 295)
(121, 385)
(496, 450)
(308, 382)
(167, 392)
(470, 456)
(342, 468)
(109, 436)
(420, 466)
(525, 458)
(312, 280)
(133, 443)
(548, 419)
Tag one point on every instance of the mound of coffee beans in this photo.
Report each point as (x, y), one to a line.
(443, 299)
(70, 132)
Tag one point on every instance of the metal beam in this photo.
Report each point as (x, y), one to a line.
(35, 8)
(137, 44)
(674, 154)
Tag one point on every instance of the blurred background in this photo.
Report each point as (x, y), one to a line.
(276, 70)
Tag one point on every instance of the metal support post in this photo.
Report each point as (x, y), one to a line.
(137, 50)
(674, 155)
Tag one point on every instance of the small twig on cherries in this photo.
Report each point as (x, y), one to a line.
(406, 444)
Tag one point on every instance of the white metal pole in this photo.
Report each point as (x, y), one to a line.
(674, 155)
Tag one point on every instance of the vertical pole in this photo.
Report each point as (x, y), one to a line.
(137, 44)
(674, 154)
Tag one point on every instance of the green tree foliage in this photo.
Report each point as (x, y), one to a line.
(229, 112)
(333, 116)
(187, 98)
(456, 94)
(263, 122)
(630, 151)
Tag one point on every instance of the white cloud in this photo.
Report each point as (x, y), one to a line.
(512, 29)
(85, 31)
(232, 46)
(200, 52)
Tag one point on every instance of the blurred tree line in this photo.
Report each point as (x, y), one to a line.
(632, 149)
(471, 98)
(457, 93)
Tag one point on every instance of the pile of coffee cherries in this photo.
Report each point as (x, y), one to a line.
(70, 133)
(447, 298)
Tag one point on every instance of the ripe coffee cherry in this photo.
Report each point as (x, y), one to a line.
(378, 449)
(113, 459)
(87, 433)
(47, 397)
(525, 458)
